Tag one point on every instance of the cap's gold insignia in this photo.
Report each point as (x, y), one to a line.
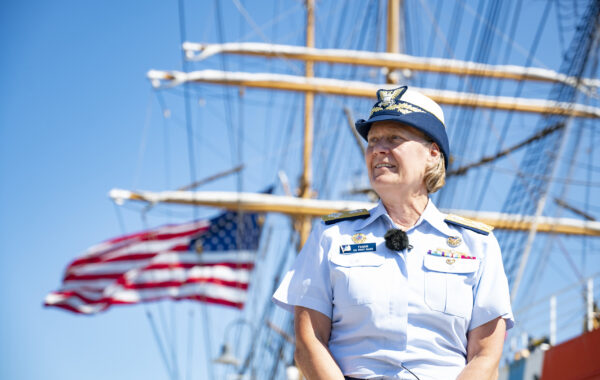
(450, 261)
(454, 241)
(390, 100)
(359, 238)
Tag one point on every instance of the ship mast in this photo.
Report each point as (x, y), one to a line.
(309, 97)
(393, 35)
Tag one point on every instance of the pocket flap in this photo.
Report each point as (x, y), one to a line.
(450, 265)
(359, 259)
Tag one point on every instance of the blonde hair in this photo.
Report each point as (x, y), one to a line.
(435, 175)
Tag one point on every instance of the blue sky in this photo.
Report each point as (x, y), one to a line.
(78, 117)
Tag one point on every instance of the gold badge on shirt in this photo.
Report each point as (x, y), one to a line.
(454, 241)
(359, 238)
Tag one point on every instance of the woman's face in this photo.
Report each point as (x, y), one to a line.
(398, 155)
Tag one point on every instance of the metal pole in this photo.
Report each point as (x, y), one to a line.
(540, 209)
(590, 304)
(553, 320)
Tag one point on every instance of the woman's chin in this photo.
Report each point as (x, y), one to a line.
(380, 183)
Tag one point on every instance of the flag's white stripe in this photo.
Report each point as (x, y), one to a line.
(206, 289)
(77, 285)
(181, 274)
(160, 275)
(134, 296)
(165, 258)
(75, 302)
(111, 267)
(119, 293)
(222, 256)
(94, 294)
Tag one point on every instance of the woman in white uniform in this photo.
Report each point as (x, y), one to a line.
(401, 291)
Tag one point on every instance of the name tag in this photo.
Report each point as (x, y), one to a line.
(356, 248)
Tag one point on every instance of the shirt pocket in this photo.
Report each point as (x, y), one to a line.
(357, 278)
(449, 284)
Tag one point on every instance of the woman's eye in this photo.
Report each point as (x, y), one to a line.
(396, 138)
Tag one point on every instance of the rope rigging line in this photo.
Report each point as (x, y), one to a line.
(592, 132)
(227, 91)
(268, 310)
(192, 166)
(434, 26)
(524, 52)
(142, 149)
(332, 170)
(477, 52)
(240, 7)
(161, 348)
(559, 23)
(190, 347)
(508, 120)
(187, 105)
(572, 153)
(168, 340)
(485, 160)
(539, 157)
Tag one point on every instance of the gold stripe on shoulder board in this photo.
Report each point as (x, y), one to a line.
(346, 215)
(469, 224)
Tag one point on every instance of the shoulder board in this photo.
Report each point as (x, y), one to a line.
(480, 228)
(346, 215)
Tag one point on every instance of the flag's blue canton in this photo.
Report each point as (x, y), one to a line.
(230, 231)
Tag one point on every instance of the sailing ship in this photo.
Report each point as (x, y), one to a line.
(521, 101)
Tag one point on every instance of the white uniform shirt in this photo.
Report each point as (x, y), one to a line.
(388, 308)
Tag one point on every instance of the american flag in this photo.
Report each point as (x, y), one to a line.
(208, 261)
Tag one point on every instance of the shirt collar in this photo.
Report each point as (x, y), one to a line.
(431, 215)
(435, 218)
(375, 212)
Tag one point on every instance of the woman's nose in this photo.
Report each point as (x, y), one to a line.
(380, 146)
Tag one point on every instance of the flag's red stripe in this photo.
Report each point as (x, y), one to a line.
(66, 307)
(197, 298)
(233, 265)
(157, 234)
(146, 236)
(110, 301)
(117, 275)
(209, 280)
(73, 293)
(103, 276)
(127, 257)
(102, 258)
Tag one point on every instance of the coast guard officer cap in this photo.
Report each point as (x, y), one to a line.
(411, 108)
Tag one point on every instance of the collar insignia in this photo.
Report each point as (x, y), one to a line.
(359, 238)
(454, 241)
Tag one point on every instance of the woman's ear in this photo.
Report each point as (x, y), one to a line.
(434, 151)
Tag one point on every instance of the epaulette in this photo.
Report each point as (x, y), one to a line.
(346, 215)
(480, 228)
